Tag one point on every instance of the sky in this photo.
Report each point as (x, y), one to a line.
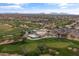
(71, 8)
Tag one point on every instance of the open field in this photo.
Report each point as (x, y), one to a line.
(9, 30)
(32, 47)
(5, 27)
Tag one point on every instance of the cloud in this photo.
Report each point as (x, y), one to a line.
(38, 1)
(15, 6)
(73, 11)
(18, 8)
(47, 11)
(63, 5)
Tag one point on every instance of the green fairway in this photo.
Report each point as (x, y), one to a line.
(31, 47)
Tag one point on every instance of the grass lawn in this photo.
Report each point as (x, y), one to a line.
(60, 45)
(5, 27)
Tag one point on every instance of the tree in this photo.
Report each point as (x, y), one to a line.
(43, 48)
(24, 40)
(23, 50)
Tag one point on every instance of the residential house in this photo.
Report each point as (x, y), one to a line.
(62, 32)
(73, 35)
